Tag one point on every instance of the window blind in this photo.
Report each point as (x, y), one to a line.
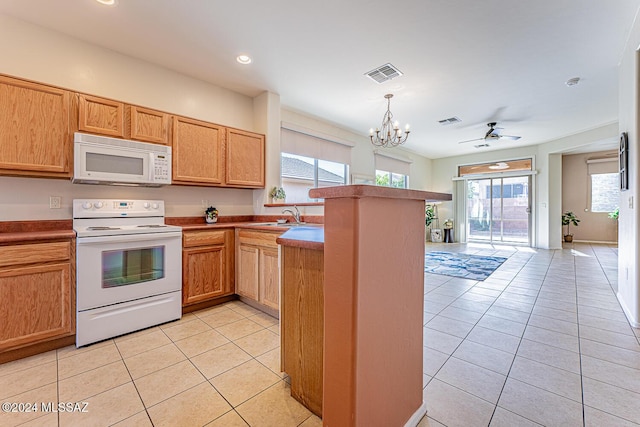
(598, 166)
(305, 144)
(392, 163)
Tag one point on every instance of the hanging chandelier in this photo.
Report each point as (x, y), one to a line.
(390, 135)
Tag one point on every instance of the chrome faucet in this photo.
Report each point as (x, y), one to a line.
(296, 214)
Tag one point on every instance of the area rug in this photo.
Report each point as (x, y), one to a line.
(474, 267)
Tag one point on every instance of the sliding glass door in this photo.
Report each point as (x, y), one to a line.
(498, 210)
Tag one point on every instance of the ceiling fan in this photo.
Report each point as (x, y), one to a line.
(493, 134)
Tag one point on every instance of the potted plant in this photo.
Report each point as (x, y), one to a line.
(211, 215)
(614, 214)
(277, 194)
(569, 218)
(431, 216)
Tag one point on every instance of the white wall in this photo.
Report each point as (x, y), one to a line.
(35, 53)
(628, 273)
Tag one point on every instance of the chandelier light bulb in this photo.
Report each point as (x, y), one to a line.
(390, 134)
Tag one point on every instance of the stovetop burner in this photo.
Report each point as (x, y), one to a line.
(103, 228)
(110, 217)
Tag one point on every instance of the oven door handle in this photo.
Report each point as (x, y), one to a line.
(126, 238)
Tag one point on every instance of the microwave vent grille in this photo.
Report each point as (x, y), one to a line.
(124, 143)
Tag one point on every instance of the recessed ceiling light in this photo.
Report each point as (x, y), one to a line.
(244, 59)
(572, 81)
(107, 2)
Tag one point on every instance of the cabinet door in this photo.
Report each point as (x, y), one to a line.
(34, 129)
(148, 125)
(197, 152)
(269, 278)
(37, 304)
(203, 274)
(101, 116)
(247, 276)
(244, 159)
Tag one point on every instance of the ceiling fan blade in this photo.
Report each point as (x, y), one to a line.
(511, 137)
(471, 140)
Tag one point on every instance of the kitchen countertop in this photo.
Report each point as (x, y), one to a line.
(27, 231)
(303, 237)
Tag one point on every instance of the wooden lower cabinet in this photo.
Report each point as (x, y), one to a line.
(207, 265)
(257, 275)
(37, 293)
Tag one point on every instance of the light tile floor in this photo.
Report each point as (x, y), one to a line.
(542, 341)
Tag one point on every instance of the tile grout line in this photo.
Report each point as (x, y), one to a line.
(465, 337)
(522, 336)
(133, 382)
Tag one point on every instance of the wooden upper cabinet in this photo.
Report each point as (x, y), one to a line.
(34, 129)
(244, 159)
(117, 119)
(101, 116)
(148, 125)
(198, 155)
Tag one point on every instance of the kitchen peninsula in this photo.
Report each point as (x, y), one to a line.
(352, 307)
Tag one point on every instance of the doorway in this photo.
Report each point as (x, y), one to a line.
(498, 210)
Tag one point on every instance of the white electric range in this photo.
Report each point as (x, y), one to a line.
(128, 267)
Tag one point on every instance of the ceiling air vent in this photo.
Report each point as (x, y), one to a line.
(384, 73)
(449, 121)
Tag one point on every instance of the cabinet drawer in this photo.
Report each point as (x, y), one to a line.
(258, 238)
(34, 253)
(203, 238)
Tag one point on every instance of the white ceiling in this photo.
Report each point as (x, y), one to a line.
(482, 61)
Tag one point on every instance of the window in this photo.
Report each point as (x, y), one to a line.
(309, 160)
(390, 179)
(392, 170)
(300, 174)
(605, 191)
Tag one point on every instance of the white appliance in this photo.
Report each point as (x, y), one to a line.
(128, 267)
(103, 160)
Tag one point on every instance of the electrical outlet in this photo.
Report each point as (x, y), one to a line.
(54, 202)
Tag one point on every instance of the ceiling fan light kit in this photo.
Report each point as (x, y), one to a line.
(390, 134)
(493, 134)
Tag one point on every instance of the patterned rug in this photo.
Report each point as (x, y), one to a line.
(472, 267)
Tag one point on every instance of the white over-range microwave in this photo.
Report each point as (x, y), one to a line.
(104, 160)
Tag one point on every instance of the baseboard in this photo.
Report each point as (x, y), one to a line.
(627, 312)
(598, 242)
(417, 416)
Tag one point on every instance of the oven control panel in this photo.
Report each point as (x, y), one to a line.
(91, 208)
